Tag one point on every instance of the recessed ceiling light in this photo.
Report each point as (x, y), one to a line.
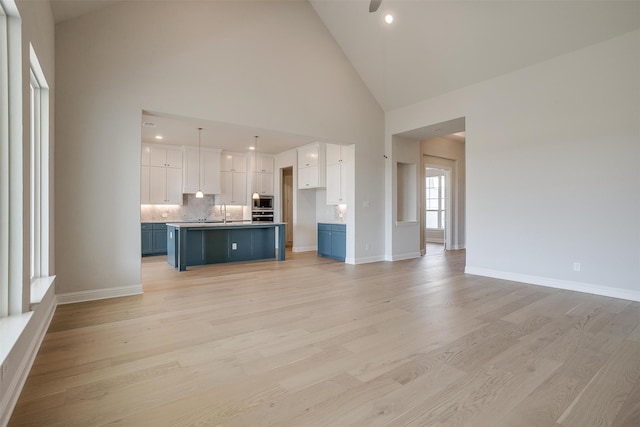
(388, 18)
(158, 136)
(149, 124)
(252, 148)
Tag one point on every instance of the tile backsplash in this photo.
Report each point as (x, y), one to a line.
(192, 209)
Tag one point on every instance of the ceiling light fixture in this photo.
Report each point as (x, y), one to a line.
(255, 195)
(158, 136)
(199, 194)
(388, 18)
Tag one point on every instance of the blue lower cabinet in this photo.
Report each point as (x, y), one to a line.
(240, 245)
(263, 243)
(154, 239)
(147, 239)
(159, 240)
(214, 246)
(332, 241)
(324, 240)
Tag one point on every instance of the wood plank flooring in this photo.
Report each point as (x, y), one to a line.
(315, 342)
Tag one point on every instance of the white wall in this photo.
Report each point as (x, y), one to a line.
(405, 236)
(270, 65)
(552, 168)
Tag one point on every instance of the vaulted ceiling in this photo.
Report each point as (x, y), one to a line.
(434, 47)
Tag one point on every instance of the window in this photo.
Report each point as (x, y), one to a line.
(435, 212)
(4, 163)
(39, 171)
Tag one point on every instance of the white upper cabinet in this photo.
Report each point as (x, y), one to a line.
(161, 175)
(262, 167)
(234, 188)
(233, 162)
(233, 176)
(339, 173)
(168, 157)
(311, 166)
(201, 171)
(264, 164)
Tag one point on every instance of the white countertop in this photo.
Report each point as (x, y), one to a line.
(222, 224)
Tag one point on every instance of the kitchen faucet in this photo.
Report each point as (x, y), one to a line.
(223, 209)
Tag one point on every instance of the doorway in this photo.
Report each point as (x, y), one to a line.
(437, 217)
(287, 203)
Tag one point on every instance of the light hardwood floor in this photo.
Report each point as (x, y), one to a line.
(315, 342)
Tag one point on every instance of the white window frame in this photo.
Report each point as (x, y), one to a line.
(14, 291)
(441, 201)
(39, 180)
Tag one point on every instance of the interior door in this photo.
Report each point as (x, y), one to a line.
(287, 203)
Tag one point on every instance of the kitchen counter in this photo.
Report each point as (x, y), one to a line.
(199, 243)
(218, 224)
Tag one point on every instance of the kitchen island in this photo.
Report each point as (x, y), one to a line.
(199, 243)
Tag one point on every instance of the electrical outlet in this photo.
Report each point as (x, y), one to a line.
(576, 266)
(234, 246)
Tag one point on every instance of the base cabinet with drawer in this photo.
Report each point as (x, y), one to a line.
(332, 241)
(154, 239)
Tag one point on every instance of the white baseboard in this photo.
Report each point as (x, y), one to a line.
(9, 399)
(365, 260)
(400, 257)
(568, 285)
(82, 296)
(304, 248)
(456, 247)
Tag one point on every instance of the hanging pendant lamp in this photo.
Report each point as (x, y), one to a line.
(199, 194)
(255, 195)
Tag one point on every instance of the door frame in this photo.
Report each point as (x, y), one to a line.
(447, 199)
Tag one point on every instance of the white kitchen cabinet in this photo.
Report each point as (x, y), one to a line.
(311, 166)
(262, 175)
(208, 180)
(165, 185)
(262, 183)
(233, 188)
(169, 157)
(339, 172)
(161, 175)
(264, 164)
(145, 182)
(307, 178)
(233, 162)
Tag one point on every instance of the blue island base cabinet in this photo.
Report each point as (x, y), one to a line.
(332, 241)
(214, 245)
(154, 239)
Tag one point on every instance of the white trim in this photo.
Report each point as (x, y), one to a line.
(82, 296)
(400, 257)
(456, 247)
(365, 260)
(434, 240)
(304, 249)
(39, 288)
(13, 390)
(606, 291)
(407, 223)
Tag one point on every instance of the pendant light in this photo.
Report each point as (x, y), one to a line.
(255, 195)
(199, 194)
